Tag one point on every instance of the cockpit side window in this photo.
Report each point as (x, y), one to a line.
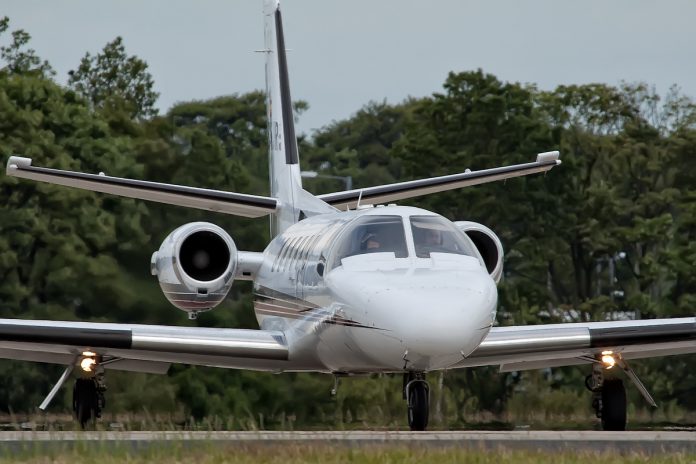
(434, 234)
(372, 234)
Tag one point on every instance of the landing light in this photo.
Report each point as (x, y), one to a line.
(88, 361)
(608, 359)
(87, 364)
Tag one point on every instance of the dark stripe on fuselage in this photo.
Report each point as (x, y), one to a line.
(273, 303)
(265, 292)
(276, 305)
(103, 338)
(313, 317)
(290, 142)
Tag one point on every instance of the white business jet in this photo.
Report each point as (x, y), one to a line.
(343, 288)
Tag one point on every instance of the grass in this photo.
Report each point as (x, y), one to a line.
(293, 453)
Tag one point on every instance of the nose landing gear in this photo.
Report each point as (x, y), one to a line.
(417, 395)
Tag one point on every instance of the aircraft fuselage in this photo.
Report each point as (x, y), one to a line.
(400, 305)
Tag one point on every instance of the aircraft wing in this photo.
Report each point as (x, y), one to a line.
(541, 346)
(416, 188)
(142, 348)
(192, 197)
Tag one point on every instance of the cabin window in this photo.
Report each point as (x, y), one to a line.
(435, 234)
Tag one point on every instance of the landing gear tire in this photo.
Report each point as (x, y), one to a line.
(613, 412)
(87, 401)
(418, 406)
(417, 395)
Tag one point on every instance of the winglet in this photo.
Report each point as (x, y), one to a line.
(17, 162)
(549, 156)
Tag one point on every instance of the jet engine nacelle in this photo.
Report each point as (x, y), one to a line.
(195, 266)
(488, 245)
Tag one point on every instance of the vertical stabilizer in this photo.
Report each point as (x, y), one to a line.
(284, 166)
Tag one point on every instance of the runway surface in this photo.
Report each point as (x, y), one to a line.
(646, 442)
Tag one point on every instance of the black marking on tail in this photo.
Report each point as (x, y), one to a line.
(285, 100)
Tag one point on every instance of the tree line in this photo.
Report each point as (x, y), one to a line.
(607, 235)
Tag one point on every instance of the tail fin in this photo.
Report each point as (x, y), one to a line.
(284, 167)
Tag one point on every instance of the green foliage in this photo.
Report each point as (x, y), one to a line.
(18, 59)
(115, 82)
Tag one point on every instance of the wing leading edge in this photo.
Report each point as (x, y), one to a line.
(142, 347)
(211, 200)
(415, 188)
(553, 345)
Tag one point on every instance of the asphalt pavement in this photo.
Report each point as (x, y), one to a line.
(639, 441)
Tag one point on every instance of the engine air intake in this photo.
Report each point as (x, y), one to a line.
(204, 256)
(488, 245)
(195, 266)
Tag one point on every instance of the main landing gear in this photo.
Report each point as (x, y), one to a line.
(609, 394)
(608, 399)
(88, 399)
(417, 396)
(88, 391)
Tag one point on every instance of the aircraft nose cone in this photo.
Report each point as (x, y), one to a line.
(443, 320)
(435, 316)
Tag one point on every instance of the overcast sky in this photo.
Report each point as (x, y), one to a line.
(346, 53)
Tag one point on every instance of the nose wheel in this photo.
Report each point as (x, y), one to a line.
(417, 395)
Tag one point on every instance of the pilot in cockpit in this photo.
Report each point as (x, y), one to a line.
(433, 238)
(370, 243)
(428, 240)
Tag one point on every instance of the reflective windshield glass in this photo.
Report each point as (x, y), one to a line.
(373, 234)
(437, 234)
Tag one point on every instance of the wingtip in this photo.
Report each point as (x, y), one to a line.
(549, 156)
(17, 162)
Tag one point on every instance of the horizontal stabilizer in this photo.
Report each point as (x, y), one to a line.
(416, 188)
(211, 200)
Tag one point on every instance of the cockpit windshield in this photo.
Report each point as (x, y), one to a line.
(434, 234)
(373, 234)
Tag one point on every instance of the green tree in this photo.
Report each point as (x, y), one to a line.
(52, 239)
(112, 80)
(18, 59)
